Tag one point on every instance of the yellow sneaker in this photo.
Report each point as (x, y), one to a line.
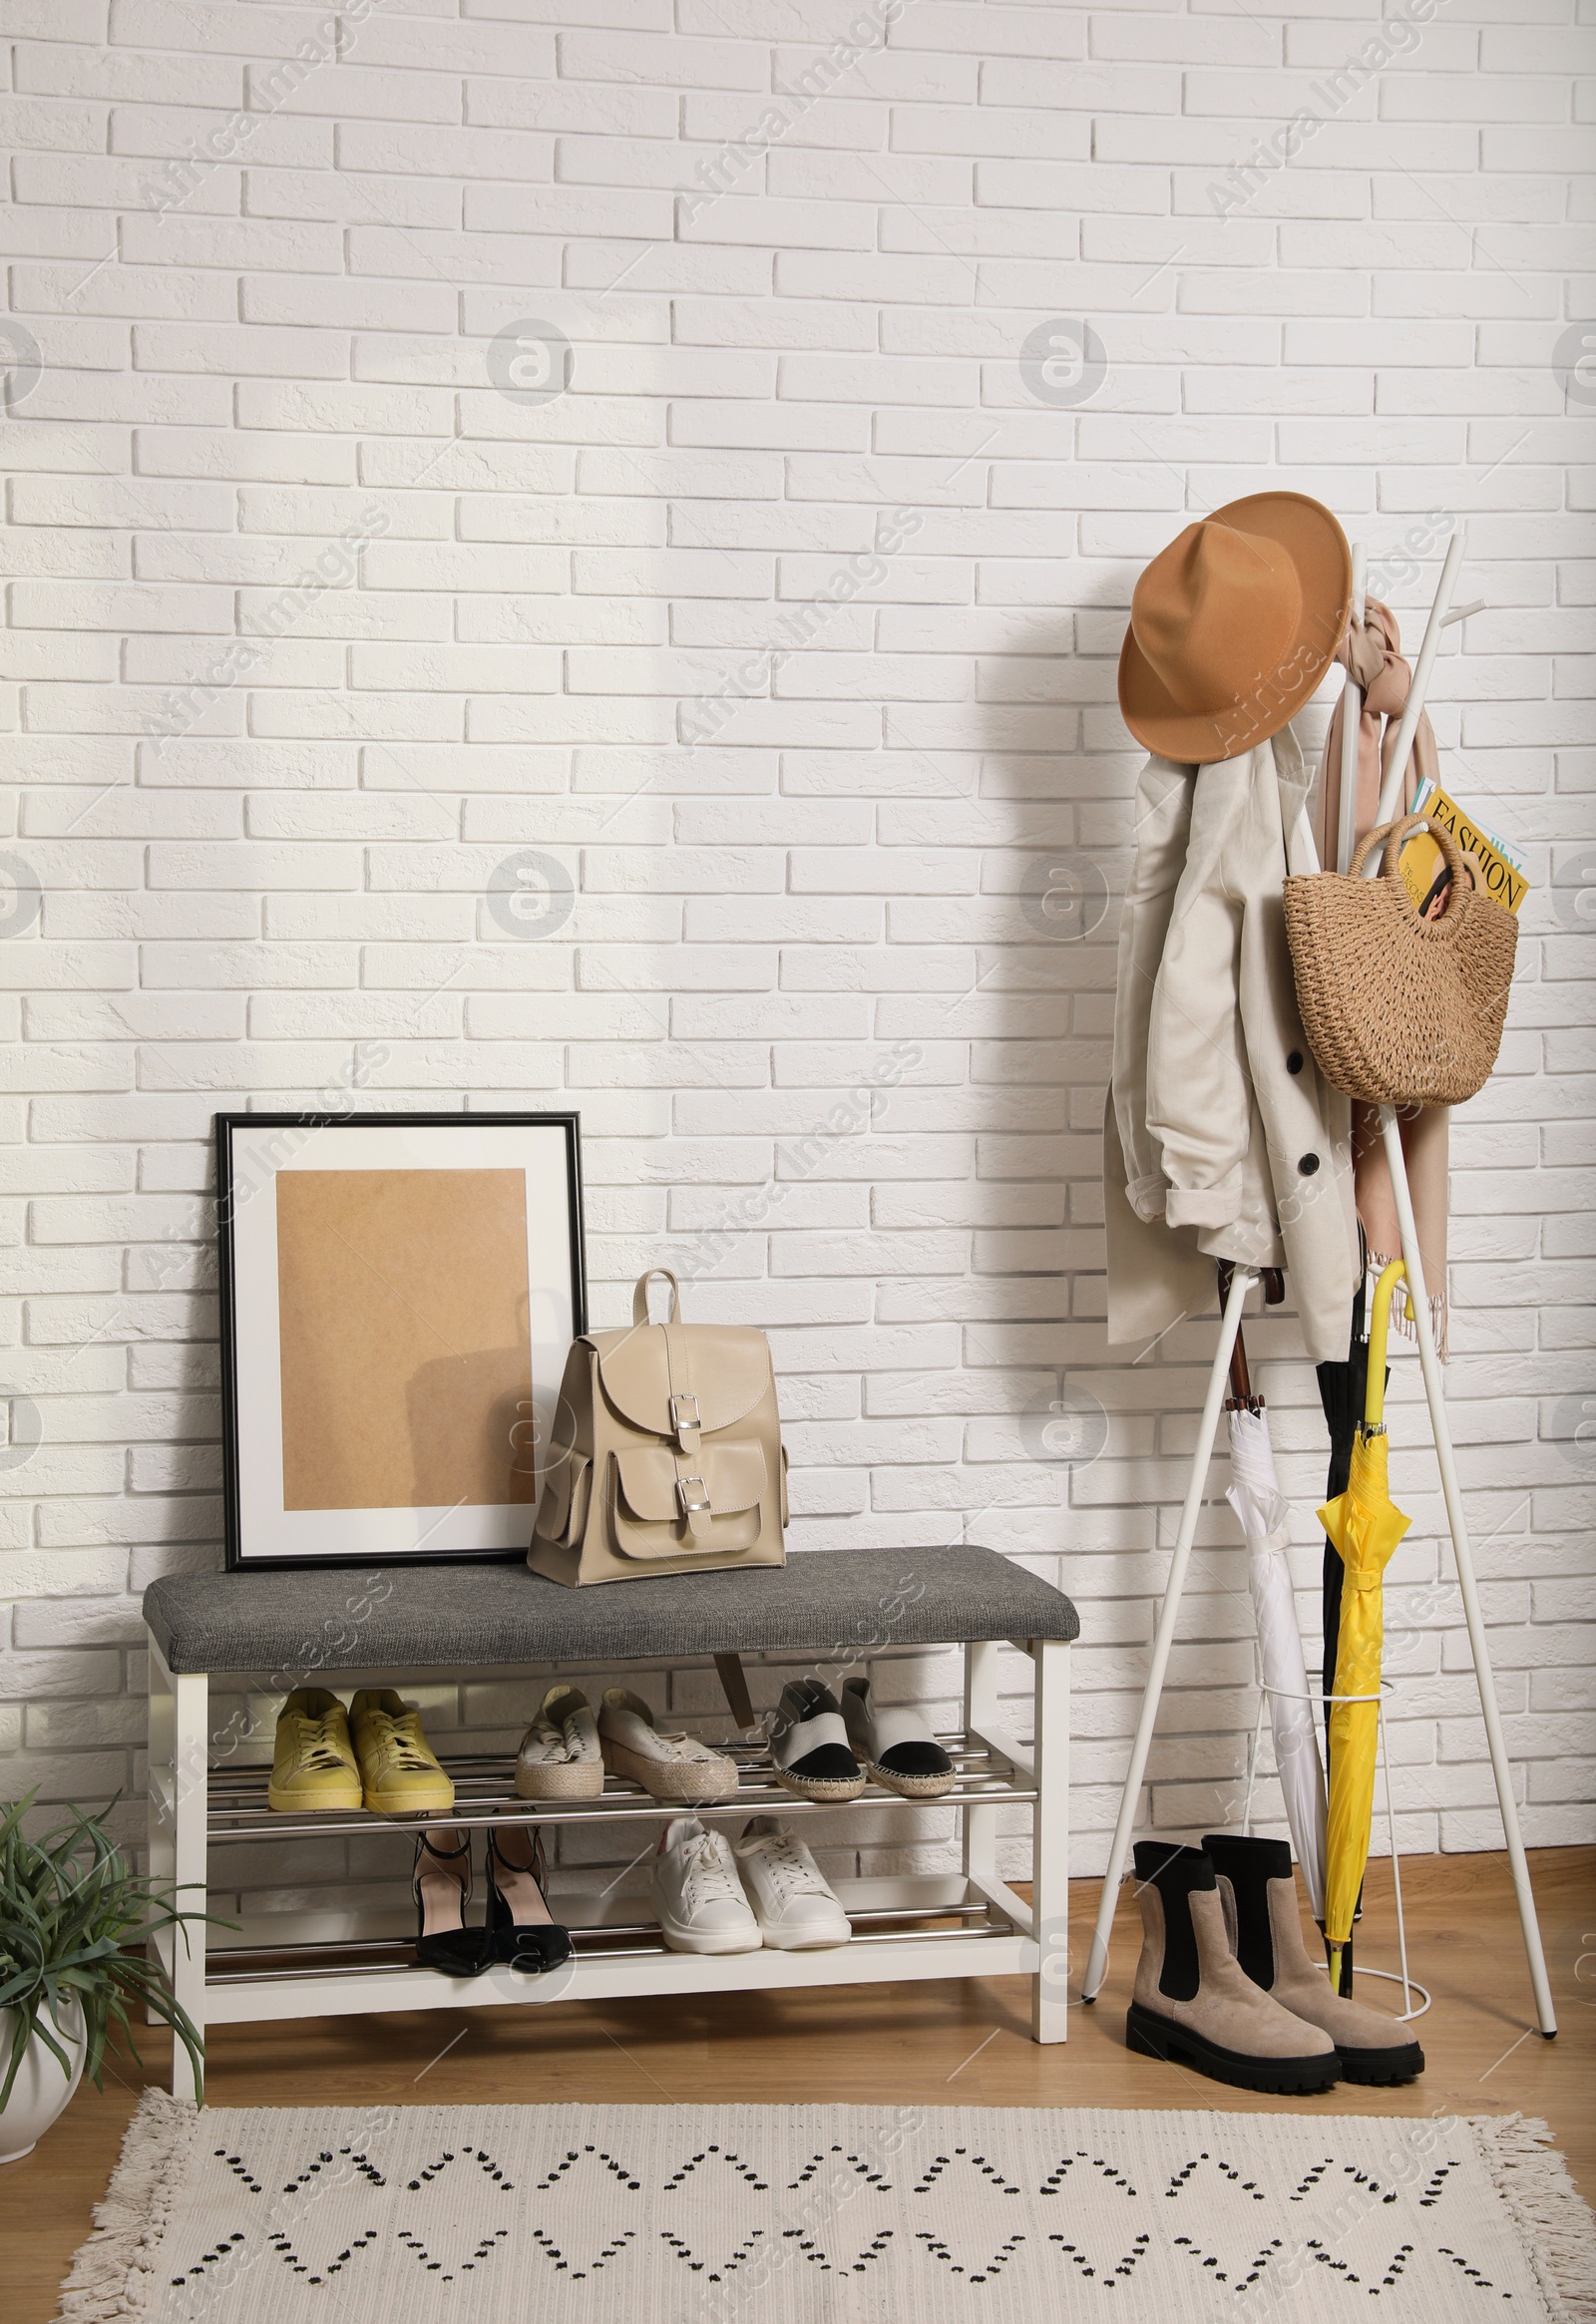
(400, 1775)
(313, 1764)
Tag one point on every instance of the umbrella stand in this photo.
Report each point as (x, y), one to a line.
(1402, 1977)
(1408, 2009)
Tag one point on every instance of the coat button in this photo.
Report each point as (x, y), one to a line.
(1294, 1064)
(1308, 1165)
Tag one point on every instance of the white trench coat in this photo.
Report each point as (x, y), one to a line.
(1221, 1140)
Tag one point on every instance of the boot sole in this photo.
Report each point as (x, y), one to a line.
(1381, 2068)
(1154, 2037)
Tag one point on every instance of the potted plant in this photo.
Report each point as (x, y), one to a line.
(73, 1919)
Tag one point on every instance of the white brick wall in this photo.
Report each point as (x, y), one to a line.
(286, 341)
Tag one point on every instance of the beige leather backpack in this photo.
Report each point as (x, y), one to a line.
(666, 1453)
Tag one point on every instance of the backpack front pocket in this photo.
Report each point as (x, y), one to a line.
(652, 1504)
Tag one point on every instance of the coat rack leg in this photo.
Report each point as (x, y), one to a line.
(1097, 1960)
(1478, 1640)
(1344, 839)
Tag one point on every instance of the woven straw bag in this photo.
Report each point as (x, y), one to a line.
(1401, 1010)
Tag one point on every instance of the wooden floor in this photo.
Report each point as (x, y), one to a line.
(938, 2044)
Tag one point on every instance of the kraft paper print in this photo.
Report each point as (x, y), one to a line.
(404, 1334)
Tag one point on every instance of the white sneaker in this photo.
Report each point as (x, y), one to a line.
(667, 1765)
(560, 1756)
(896, 1744)
(793, 1905)
(697, 1896)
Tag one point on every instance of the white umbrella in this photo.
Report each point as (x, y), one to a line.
(1260, 1505)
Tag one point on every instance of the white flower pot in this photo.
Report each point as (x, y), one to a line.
(41, 2091)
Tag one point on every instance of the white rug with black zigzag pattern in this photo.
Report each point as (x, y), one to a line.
(828, 2215)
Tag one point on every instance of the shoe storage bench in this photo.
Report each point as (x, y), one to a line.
(343, 1627)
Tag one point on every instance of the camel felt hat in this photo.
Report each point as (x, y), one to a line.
(1233, 625)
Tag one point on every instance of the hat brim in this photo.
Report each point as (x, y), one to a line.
(1323, 563)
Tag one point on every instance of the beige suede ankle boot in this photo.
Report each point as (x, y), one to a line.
(1258, 1894)
(1193, 2004)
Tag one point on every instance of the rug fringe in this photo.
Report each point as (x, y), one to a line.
(1555, 2227)
(112, 2276)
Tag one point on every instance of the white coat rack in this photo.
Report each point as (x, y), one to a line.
(1442, 615)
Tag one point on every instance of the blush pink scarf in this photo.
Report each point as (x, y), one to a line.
(1373, 655)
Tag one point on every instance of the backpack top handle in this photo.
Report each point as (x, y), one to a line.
(640, 1298)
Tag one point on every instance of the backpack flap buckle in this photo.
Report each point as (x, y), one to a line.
(692, 1496)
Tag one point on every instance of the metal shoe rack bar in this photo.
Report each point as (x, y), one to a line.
(238, 1811)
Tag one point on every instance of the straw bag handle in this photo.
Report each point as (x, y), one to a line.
(1396, 835)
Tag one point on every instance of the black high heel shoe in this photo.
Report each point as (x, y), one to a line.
(443, 1941)
(522, 1929)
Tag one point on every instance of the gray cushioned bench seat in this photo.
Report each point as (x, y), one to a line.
(831, 1601)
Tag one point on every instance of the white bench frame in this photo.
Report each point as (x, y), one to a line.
(1031, 1942)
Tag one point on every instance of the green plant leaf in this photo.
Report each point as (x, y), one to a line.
(74, 1917)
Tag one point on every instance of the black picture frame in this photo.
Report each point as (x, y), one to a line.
(228, 1126)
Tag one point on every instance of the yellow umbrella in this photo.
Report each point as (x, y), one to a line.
(1366, 1528)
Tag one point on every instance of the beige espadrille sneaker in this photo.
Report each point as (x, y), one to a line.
(668, 1763)
(560, 1756)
